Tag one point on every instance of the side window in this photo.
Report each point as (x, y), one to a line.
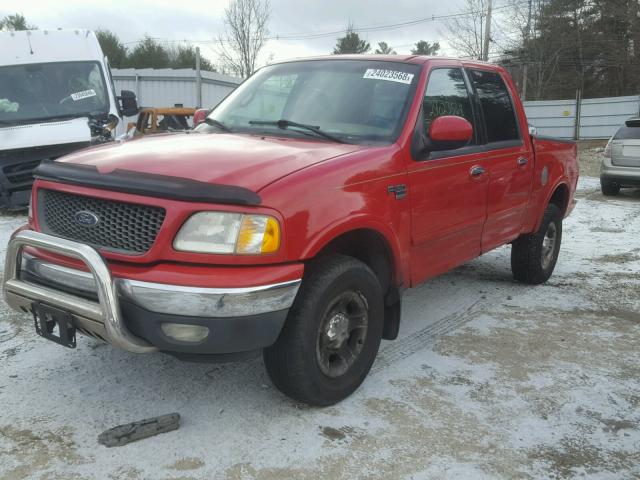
(497, 108)
(446, 94)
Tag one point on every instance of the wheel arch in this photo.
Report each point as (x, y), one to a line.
(559, 196)
(379, 251)
(372, 232)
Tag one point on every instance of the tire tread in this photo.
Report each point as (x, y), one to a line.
(526, 250)
(284, 360)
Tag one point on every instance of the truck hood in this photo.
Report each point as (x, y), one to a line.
(75, 130)
(241, 160)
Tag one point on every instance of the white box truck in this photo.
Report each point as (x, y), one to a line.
(56, 96)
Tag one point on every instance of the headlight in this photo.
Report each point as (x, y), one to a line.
(220, 232)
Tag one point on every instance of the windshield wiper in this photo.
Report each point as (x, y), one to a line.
(282, 123)
(216, 123)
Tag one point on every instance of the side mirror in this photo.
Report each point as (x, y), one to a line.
(129, 103)
(450, 132)
(199, 116)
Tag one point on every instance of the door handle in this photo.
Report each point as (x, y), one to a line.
(522, 161)
(476, 171)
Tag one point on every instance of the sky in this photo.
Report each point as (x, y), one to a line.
(200, 22)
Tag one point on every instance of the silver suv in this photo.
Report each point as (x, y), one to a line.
(621, 162)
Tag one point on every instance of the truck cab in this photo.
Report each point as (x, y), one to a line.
(56, 96)
(291, 220)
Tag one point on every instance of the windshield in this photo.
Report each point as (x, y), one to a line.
(353, 101)
(51, 90)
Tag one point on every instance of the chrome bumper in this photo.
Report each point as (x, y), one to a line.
(103, 319)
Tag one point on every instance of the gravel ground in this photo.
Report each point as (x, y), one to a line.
(590, 155)
(489, 379)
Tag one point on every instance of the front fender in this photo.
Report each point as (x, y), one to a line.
(361, 222)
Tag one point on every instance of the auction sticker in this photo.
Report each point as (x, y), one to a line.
(84, 94)
(389, 75)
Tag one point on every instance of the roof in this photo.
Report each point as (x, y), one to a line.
(42, 46)
(415, 59)
(172, 73)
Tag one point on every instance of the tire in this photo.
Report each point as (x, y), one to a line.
(609, 189)
(534, 256)
(324, 352)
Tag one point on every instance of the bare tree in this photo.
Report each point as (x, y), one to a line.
(246, 30)
(532, 57)
(467, 31)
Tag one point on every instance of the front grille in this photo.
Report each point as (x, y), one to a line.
(121, 227)
(20, 173)
(18, 164)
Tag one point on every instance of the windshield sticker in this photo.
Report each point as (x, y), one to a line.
(389, 75)
(84, 94)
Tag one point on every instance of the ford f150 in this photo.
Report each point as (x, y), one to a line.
(292, 219)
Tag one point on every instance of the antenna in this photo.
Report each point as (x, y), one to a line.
(29, 40)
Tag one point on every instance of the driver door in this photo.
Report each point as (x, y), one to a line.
(448, 188)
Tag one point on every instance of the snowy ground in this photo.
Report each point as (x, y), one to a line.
(490, 379)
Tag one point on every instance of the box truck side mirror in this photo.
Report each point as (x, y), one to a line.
(128, 103)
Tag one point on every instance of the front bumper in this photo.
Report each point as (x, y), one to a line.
(129, 314)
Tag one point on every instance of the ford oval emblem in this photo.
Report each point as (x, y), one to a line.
(86, 218)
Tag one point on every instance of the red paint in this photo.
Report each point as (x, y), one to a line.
(319, 190)
(199, 116)
(450, 128)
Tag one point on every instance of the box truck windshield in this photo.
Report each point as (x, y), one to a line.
(48, 91)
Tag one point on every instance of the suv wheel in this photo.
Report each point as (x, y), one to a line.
(534, 256)
(332, 334)
(609, 189)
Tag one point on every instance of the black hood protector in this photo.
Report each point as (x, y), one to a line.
(147, 184)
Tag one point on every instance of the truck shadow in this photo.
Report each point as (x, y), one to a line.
(110, 387)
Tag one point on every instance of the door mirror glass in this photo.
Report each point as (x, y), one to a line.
(199, 116)
(128, 103)
(450, 132)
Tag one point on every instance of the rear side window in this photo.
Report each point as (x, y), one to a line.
(497, 107)
(627, 133)
(446, 94)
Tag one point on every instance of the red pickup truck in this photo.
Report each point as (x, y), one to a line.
(292, 219)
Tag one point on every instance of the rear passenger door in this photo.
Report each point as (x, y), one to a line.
(509, 160)
(447, 188)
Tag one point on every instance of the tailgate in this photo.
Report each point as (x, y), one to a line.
(625, 153)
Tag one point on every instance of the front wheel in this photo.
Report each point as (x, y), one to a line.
(534, 256)
(332, 333)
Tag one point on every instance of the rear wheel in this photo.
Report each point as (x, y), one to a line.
(609, 189)
(332, 333)
(534, 256)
